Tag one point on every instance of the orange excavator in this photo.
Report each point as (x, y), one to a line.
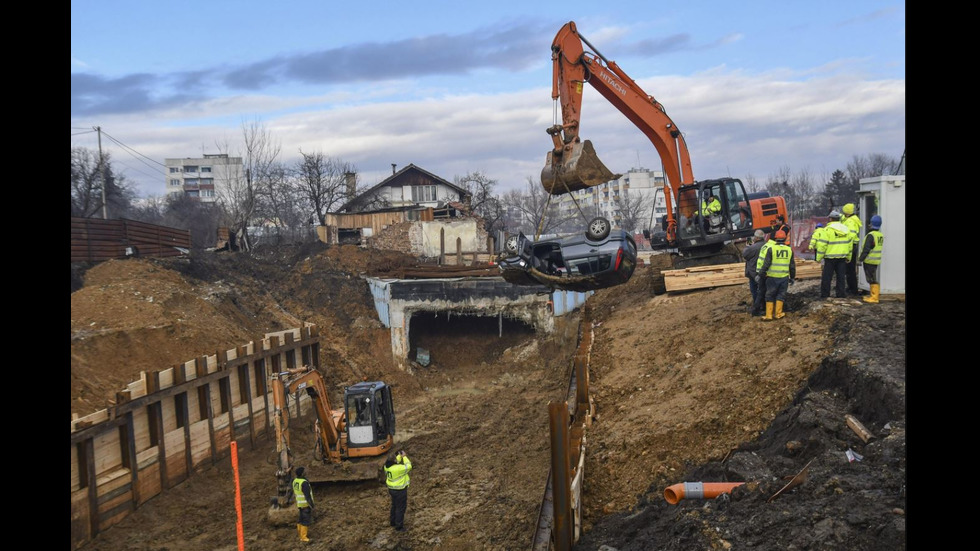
(703, 217)
(349, 443)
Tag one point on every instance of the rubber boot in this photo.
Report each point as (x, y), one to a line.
(779, 310)
(769, 308)
(303, 531)
(299, 530)
(873, 297)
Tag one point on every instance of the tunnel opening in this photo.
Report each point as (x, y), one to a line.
(450, 337)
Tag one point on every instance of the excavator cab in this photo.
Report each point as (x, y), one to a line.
(711, 214)
(370, 416)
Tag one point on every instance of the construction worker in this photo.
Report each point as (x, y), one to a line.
(834, 248)
(709, 208)
(778, 224)
(853, 223)
(303, 493)
(814, 238)
(751, 256)
(871, 257)
(779, 269)
(397, 467)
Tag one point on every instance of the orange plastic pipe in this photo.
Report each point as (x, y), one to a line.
(697, 490)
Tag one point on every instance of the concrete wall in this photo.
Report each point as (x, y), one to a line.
(396, 301)
(464, 229)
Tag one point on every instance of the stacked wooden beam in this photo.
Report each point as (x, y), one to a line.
(719, 275)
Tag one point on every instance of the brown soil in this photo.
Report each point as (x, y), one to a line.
(687, 387)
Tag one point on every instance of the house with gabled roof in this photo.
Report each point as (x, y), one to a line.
(410, 187)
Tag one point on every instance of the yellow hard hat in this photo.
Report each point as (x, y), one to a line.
(849, 209)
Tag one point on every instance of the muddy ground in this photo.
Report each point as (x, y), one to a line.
(687, 387)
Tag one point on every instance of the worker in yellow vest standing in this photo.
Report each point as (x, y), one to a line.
(815, 238)
(871, 258)
(853, 223)
(834, 248)
(303, 493)
(779, 270)
(397, 468)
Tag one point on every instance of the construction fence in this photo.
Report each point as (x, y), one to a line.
(177, 421)
(95, 240)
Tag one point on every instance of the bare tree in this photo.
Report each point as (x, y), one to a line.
(323, 182)
(149, 210)
(200, 218)
(239, 198)
(532, 209)
(482, 201)
(804, 197)
(752, 185)
(91, 176)
(634, 210)
(276, 200)
(777, 182)
(875, 164)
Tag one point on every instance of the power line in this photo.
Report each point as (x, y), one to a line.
(133, 151)
(157, 172)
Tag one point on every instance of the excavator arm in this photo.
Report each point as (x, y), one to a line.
(572, 164)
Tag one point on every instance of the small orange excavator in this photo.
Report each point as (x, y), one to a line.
(350, 443)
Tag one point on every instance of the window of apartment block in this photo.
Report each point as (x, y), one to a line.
(207, 181)
(191, 181)
(421, 194)
(207, 193)
(190, 168)
(174, 169)
(175, 182)
(205, 169)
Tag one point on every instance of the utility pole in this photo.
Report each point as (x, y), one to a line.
(105, 207)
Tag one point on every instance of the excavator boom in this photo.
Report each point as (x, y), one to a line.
(572, 164)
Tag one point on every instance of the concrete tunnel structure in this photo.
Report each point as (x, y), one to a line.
(398, 300)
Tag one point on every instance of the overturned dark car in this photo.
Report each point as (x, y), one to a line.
(597, 259)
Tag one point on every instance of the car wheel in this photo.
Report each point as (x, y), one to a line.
(598, 229)
(511, 245)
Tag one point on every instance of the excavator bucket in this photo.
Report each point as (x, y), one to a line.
(576, 167)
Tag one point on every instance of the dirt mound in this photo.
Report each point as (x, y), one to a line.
(687, 387)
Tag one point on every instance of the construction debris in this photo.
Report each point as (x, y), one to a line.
(858, 428)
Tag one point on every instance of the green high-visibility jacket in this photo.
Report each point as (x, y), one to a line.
(396, 476)
(838, 242)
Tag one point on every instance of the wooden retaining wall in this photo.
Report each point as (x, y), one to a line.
(174, 422)
(95, 240)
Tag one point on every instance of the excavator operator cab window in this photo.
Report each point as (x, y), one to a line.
(380, 421)
(712, 209)
(688, 213)
(360, 419)
(736, 205)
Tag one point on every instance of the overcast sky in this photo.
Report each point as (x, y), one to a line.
(457, 87)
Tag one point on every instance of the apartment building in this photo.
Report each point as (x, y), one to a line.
(201, 177)
(606, 199)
